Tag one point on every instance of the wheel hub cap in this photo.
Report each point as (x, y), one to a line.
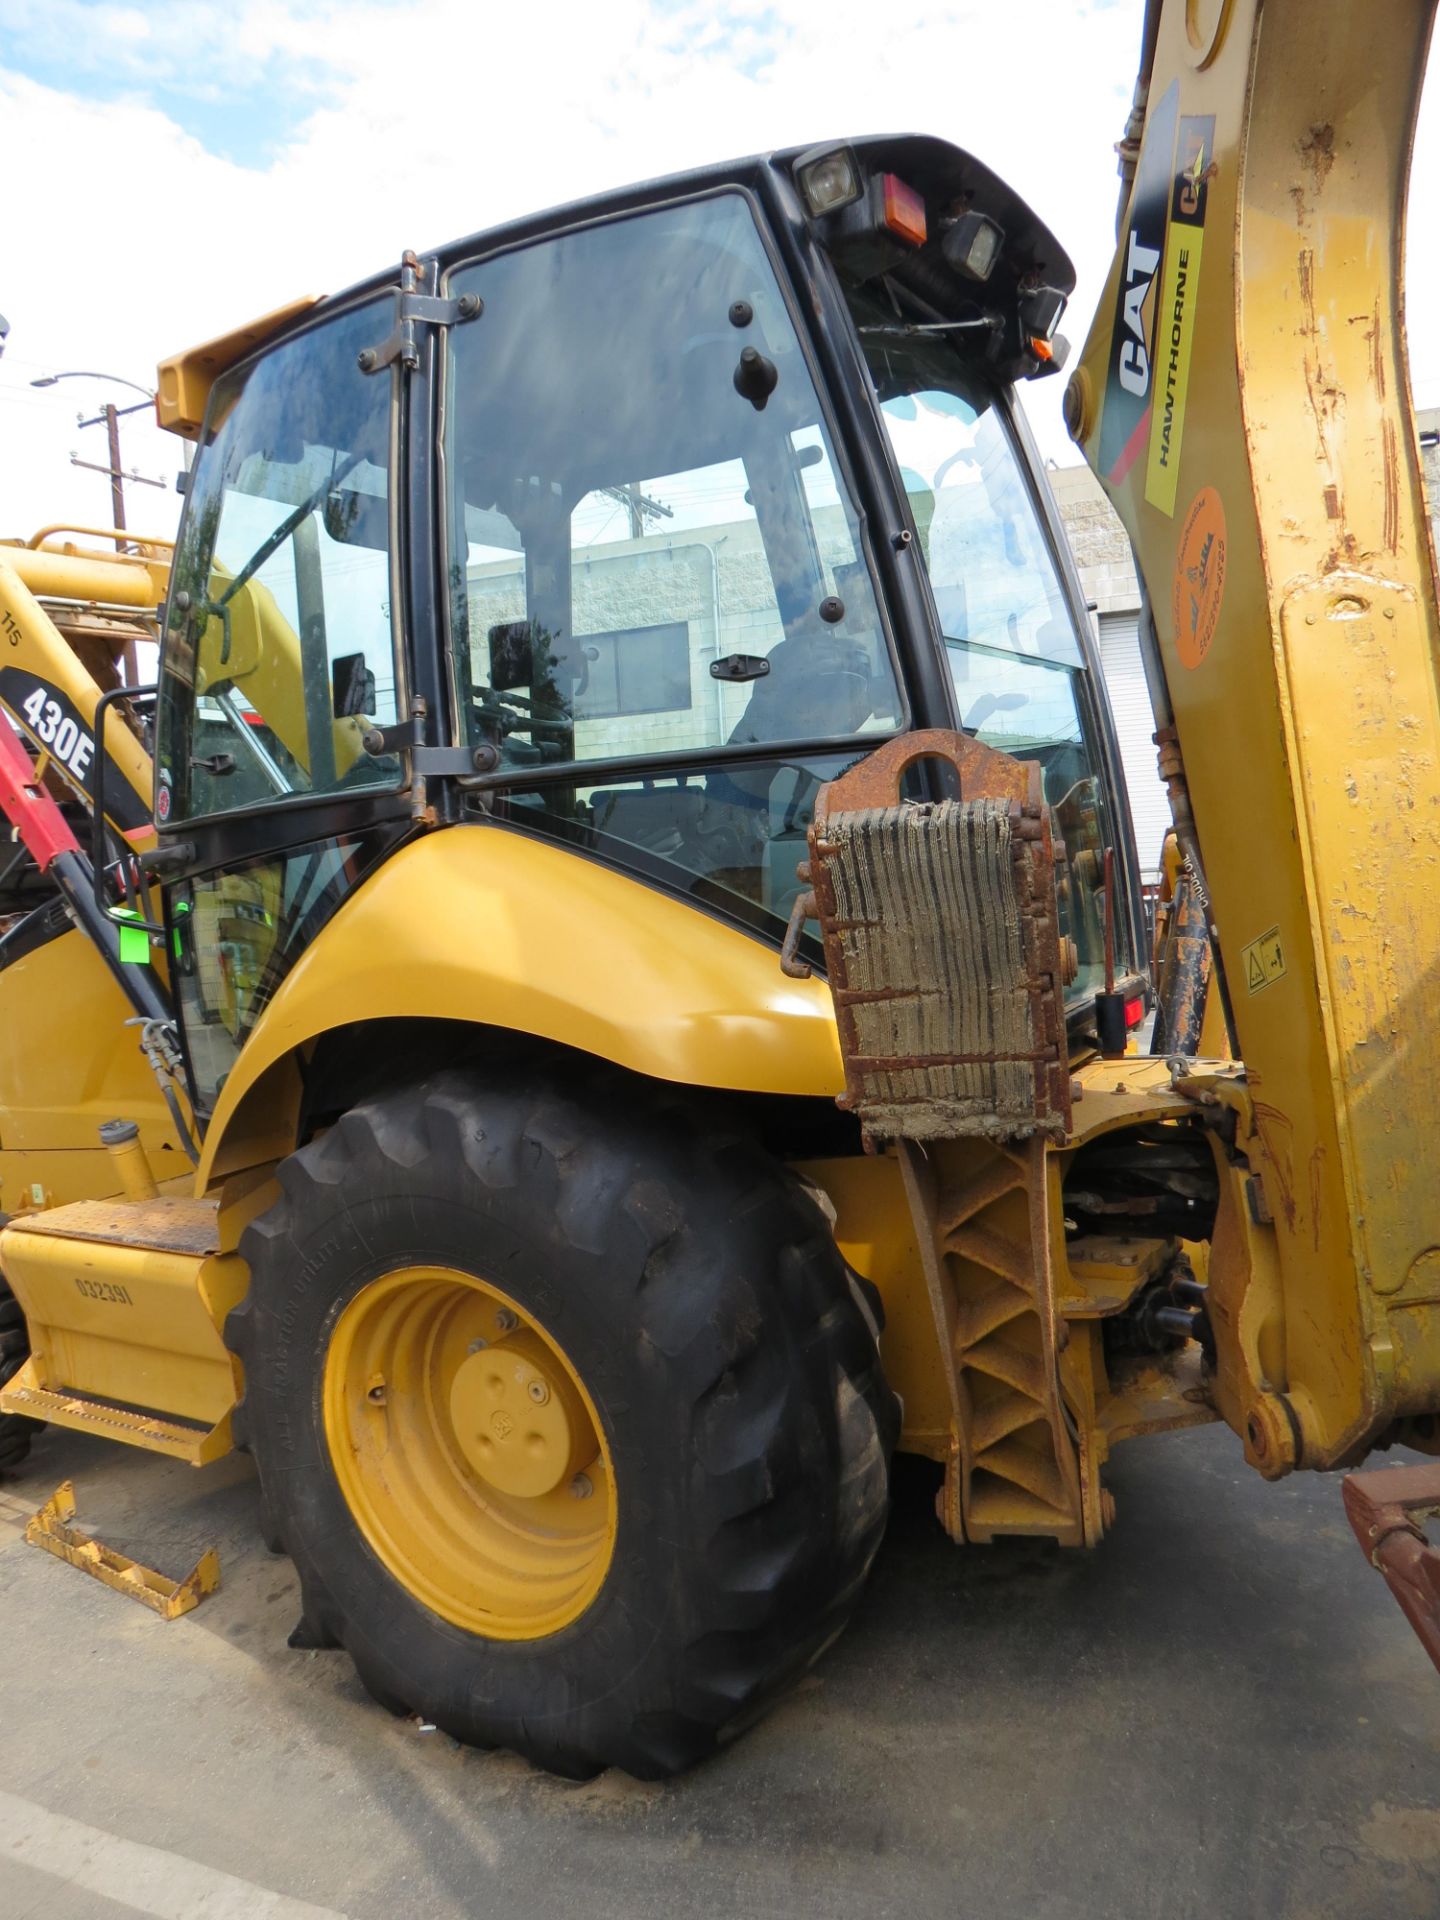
(518, 1422)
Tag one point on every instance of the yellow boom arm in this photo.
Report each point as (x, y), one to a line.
(1244, 398)
(44, 684)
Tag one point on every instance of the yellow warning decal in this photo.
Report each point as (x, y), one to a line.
(1263, 961)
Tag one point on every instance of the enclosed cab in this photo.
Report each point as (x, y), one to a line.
(626, 528)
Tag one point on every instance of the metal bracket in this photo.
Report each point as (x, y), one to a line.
(443, 762)
(402, 737)
(427, 762)
(412, 309)
(168, 1598)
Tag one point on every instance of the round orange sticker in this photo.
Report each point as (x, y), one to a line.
(1199, 577)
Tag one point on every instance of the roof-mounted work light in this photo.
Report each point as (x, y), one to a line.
(972, 245)
(829, 178)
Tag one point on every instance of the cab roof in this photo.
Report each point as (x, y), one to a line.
(948, 179)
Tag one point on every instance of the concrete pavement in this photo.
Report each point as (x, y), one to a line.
(1221, 1713)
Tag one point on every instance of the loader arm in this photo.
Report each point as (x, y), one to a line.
(46, 687)
(245, 644)
(248, 645)
(1244, 399)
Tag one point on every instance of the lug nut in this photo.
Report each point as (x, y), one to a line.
(538, 1392)
(506, 1320)
(582, 1486)
(477, 1346)
(376, 1394)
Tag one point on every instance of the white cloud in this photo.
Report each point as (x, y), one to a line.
(125, 238)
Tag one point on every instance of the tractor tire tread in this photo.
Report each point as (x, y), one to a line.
(697, 1209)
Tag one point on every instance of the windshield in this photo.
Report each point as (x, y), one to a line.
(1014, 658)
(279, 653)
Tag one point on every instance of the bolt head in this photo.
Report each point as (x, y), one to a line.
(582, 1486)
(477, 1346)
(538, 1392)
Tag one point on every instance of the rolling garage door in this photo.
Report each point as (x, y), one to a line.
(1134, 725)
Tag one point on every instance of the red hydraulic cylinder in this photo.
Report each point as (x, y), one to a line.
(26, 805)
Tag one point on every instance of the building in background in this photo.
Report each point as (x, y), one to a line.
(663, 587)
(1101, 548)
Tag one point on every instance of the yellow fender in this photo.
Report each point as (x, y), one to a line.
(489, 926)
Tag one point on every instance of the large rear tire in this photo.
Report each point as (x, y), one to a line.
(704, 1482)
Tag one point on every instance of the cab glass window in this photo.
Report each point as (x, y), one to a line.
(236, 935)
(279, 651)
(1018, 670)
(653, 549)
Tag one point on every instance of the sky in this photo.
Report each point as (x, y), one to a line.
(178, 167)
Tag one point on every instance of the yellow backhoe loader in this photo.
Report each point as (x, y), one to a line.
(596, 997)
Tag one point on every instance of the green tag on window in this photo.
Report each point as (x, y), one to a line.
(134, 947)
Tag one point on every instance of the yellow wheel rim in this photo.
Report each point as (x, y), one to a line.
(469, 1453)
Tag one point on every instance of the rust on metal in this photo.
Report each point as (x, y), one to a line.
(940, 928)
(1385, 1507)
(164, 1223)
(1184, 970)
(48, 1529)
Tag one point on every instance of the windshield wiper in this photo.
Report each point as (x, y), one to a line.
(990, 322)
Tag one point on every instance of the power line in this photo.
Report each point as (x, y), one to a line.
(16, 396)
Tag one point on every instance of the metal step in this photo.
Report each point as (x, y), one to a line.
(182, 1440)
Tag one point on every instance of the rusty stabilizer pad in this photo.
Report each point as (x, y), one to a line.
(169, 1598)
(1387, 1508)
(942, 945)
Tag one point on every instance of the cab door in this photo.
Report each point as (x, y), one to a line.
(282, 656)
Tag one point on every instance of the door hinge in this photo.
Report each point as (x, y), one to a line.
(416, 309)
(407, 737)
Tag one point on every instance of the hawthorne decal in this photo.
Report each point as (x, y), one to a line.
(1180, 290)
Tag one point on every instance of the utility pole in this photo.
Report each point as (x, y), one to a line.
(117, 480)
(109, 418)
(639, 507)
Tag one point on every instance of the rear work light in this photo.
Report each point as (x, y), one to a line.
(972, 245)
(866, 222)
(828, 180)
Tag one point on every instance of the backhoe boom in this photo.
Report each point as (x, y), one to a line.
(1244, 399)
